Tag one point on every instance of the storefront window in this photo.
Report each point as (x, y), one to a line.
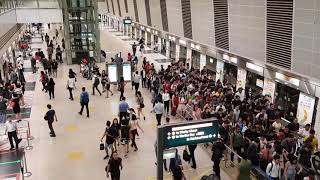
(286, 99)
(230, 73)
(254, 84)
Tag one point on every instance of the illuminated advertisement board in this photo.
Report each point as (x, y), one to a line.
(305, 109)
(191, 133)
(126, 72)
(112, 73)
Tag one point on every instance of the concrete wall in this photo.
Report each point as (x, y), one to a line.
(175, 17)
(155, 12)
(247, 28)
(202, 18)
(142, 11)
(306, 38)
(131, 9)
(7, 21)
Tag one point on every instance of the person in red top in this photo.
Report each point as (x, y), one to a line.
(175, 103)
(148, 68)
(129, 57)
(167, 86)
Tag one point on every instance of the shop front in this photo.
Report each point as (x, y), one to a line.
(148, 40)
(133, 32)
(211, 66)
(195, 59)
(172, 48)
(142, 33)
(163, 47)
(254, 80)
(230, 73)
(183, 53)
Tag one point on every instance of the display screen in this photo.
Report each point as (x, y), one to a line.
(126, 72)
(127, 21)
(259, 83)
(112, 72)
(305, 109)
(191, 133)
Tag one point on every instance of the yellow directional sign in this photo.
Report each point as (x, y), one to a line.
(71, 128)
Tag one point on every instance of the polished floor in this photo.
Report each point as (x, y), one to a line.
(74, 153)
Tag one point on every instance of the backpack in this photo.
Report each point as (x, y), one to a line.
(125, 131)
(84, 97)
(96, 81)
(186, 156)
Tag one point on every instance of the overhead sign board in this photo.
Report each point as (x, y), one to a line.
(191, 133)
(127, 21)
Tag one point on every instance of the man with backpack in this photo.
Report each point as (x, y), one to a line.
(50, 116)
(84, 101)
(96, 82)
(273, 170)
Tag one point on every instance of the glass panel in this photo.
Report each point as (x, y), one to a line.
(27, 4)
(48, 4)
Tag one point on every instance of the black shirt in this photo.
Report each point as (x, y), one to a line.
(114, 165)
(50, 115)
(217, 150)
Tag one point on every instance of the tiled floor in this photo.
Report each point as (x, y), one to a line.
(74, 153)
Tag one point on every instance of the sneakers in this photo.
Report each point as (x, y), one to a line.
(52, 135)
(144, 118)
(106, 157)
(19, 140)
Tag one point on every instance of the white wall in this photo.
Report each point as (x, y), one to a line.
(155, 11)
(142, 11)
(7, 21)
(174, 12)
(39, 16)
(123, 8)
(306, 38)
(131, 10)
(247, 28)
(202, 17)
(102, 7)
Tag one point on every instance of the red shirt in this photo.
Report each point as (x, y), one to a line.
(167, 86)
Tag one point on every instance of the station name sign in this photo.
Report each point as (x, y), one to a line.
(191, 133)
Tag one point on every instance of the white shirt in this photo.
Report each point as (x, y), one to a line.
(241, 95)
(303, 132)
(166, 97)
(11, 126)
(136, 78)
(71, 83)
(20, 61)
(274, 171)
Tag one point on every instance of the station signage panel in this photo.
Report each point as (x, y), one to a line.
(191, 133)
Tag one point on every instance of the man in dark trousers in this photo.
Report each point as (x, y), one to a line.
(84, 101)
(192, 148)
(50, 116)
(134, 48)
(218, 150)
(11, 129)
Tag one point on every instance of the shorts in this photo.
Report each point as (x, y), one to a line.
(108, 146)
(125, 141)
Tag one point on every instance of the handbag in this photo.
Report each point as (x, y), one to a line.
(101, 146)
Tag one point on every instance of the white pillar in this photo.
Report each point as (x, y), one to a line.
(177, 51)
(168, 49)
(146, 37)
(160, 44)
(152, 40)
(203, 61)
(140, 34)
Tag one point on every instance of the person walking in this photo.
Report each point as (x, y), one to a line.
(192, 148)
(71, 84)
(59, 54)
(44, 80)
(15, 104)
(54, 67)
(123, 109)
(122, 85)
(51, 85)
(108, 86)
(11, 129)
(273, 170)
(95, 84)
(166, 101)
(159, 110)
(50, 116)
(84, 101)
(134, 48)
(141, 105)
(47, 39)
(136, 81)
(114, 166)
(50, 52)
(3, 109)
(104, 81)
(134, 125)
(143, 77)
(218, 151)
(109, 139)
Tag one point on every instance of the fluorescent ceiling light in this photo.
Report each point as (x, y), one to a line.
(254, 67)
(286, 79)
(226, 57)
(182, 42)
(198, 47)
(234, 60)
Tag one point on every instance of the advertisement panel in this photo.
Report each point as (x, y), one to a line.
(126, 72)
(112, 73)
(269, 87)
(241, 78)
(305, 109)
(220, 67)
